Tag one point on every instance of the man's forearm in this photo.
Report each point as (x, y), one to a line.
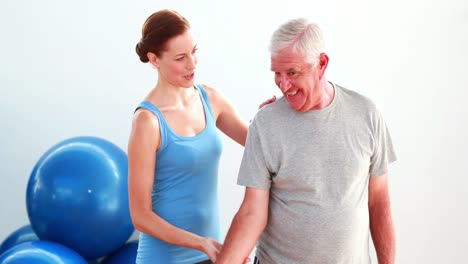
(383, 233)
(241, 238)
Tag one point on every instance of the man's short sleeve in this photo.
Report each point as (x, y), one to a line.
(253, 171)
(384, 153)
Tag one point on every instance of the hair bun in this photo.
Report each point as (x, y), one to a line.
(142, 51)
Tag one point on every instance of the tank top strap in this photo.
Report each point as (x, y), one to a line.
(206, 104)
(163, 126)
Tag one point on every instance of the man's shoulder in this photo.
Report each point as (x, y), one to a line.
(273, 117)
(272, 110)
(356, 99)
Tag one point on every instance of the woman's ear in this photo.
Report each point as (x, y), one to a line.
(153, 59)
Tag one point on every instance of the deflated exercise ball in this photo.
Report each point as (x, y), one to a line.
(41, 252)
(124, 255)
(77, 196)
(20, 235)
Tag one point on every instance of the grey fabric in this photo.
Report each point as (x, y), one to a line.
(317, 166)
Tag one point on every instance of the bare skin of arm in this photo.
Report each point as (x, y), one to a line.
(381, 223)
(246, 227)
(228, 119)
(143, 144)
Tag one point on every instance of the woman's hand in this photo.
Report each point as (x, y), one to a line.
(268, 101)
(211, 248)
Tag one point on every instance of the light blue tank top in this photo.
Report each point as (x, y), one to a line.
(185, 188)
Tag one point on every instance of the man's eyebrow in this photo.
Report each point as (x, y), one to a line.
(290, 69)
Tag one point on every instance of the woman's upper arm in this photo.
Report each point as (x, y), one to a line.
(143, 143)
(228, 120)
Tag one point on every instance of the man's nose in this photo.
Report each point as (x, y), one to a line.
(284, 84)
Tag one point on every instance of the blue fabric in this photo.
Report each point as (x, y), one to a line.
(185, 188)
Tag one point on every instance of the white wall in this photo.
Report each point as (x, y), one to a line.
(68, 68)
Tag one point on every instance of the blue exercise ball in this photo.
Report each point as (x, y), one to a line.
(41, 252)
(20, 235)
(124, 255)
(77, 196)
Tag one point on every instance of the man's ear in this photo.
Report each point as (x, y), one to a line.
(322, 64)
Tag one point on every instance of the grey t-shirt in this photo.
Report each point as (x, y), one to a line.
(317, 166)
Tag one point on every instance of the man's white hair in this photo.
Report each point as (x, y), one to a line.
(302, 36)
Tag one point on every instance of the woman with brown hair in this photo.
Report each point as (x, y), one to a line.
(174, 150)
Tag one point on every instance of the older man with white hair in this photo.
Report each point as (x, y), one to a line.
(315, 167)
